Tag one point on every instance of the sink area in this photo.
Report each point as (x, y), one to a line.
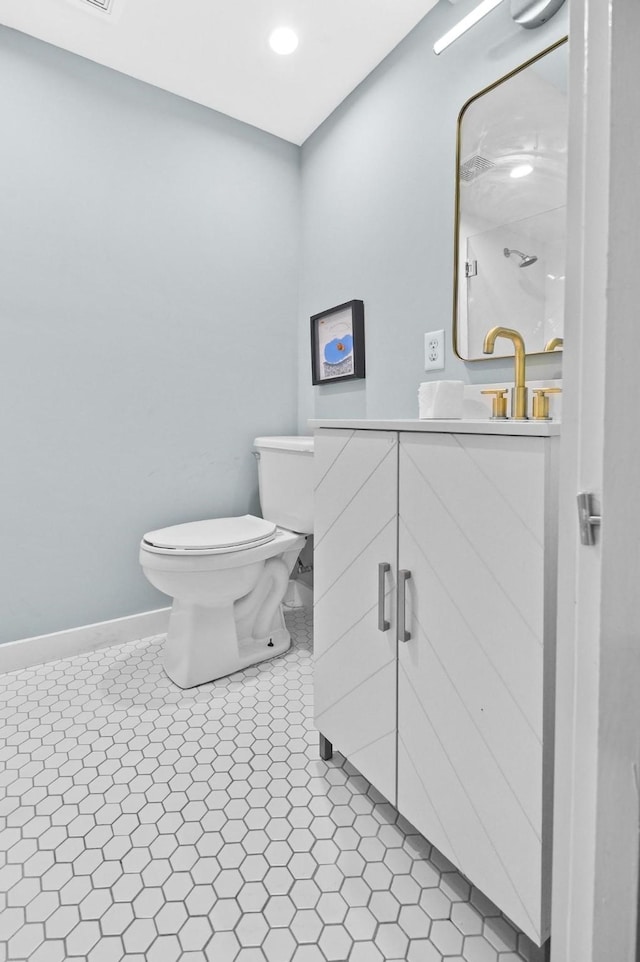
(476, 419)
(540, 429)
(478, 406)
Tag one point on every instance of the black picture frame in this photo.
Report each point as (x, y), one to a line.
(339, 329)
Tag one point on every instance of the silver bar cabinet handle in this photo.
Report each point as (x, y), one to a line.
(403, 577)
(383, 625)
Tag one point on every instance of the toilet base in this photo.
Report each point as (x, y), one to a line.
(202, 644)
(227, 607)
(253, 651)
(205, 642)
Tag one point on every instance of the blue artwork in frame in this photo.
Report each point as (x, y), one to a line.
(337, 343)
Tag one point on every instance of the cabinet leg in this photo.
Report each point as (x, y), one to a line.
(326, 748)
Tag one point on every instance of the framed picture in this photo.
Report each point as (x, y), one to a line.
(337, 343)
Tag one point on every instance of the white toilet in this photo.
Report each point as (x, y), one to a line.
(228, 576)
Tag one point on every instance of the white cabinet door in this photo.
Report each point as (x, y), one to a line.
(475, 523)
(355, 530)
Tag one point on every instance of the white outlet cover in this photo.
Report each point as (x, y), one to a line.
(434, 351)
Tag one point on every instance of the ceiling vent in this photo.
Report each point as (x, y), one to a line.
(101, 4)
(474, 167)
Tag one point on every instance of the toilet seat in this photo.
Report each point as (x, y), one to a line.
(211, 536)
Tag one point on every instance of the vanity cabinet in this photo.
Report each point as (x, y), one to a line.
(454, 725)
(355, 664)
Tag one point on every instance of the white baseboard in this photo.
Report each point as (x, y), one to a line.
(28, 652)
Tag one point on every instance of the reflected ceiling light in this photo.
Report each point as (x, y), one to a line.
(283, 40)
(465, 24)
(522, 170)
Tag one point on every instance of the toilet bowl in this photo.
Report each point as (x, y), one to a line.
(228, 576)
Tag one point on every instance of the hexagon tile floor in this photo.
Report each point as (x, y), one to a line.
(144, 823)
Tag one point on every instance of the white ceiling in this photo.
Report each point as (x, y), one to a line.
(216, 53)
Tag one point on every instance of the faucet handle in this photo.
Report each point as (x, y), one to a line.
(498, 404)
(541, 402)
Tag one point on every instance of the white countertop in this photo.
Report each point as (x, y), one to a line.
(540, 429)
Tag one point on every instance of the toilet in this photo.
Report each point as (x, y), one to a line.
(228, 576)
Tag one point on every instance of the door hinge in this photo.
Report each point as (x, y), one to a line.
(587, 520)
(470, 268)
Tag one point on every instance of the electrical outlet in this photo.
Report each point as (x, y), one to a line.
(434, 351)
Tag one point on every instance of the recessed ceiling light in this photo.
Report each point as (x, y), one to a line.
(523, 170)
(283, 40)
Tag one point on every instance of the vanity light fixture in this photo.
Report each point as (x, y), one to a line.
(465, 24)
(526, 13)
(533, 13)
(522, 170)
(283, 40)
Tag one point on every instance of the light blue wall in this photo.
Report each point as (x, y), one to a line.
(150, 254)
(377, 210)
(148, 304)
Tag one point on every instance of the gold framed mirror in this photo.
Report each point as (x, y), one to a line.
(510, 207)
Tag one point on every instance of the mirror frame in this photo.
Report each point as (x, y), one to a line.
(456, 216)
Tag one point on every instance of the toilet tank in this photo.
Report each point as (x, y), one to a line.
(285, 478)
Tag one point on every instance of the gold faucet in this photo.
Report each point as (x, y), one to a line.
(554, 343)
(519, 393)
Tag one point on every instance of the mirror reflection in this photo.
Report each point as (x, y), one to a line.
(511, 208)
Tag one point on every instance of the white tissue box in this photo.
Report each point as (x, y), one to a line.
(440, 399)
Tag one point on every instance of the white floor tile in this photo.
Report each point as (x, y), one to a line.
(139, 822)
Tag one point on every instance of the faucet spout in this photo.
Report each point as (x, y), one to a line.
(519, 397)
(554, 343)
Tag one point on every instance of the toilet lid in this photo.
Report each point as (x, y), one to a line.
(215, 534)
